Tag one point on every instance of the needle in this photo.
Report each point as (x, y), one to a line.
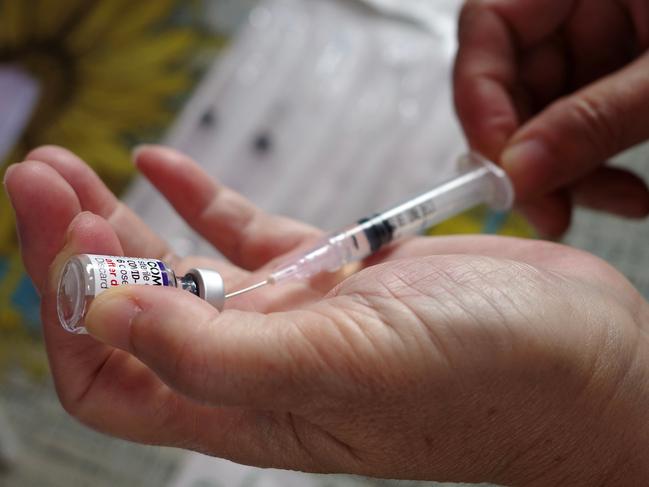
(247, 290)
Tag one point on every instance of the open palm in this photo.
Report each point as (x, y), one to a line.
(451, 358)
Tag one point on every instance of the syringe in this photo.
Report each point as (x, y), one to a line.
(478, 182)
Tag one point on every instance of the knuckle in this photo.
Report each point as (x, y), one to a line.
(598, 122)
(179, 359)
(188, 366)
(87, 413)
(71, 405)
(80, 403)
(466, 18)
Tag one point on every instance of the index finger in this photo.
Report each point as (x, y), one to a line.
(489, 95)
(484, 78)
(246, 235)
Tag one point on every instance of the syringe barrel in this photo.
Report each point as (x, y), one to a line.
(477, 182)
(330, 254)
(497, 191)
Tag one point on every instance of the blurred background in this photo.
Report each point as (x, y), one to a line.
(323, 110)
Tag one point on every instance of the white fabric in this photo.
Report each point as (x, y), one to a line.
(358, 106)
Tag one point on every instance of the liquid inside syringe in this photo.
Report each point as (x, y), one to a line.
(478, 182)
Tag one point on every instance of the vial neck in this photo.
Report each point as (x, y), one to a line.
(187, 283)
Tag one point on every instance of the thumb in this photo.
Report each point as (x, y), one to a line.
(574, 135)
(234, 358)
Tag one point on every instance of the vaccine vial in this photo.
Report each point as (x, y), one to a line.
(85, 277)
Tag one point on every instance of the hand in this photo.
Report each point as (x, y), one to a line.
(553, 89)
(466, 359)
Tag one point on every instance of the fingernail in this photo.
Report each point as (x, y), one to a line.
(138, 149)
(529, 164)
(8, 171)
(84, 219)
(110, 318)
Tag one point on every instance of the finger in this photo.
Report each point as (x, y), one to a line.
(107, 389)
(135, 236)
(246, 235)
(640, 19)
(551, 215)
(544, 72)
(44, 204)
(614, 191)
(601, 38)
(548, 16)
(485, 75)
(488, 96)
(576, 134)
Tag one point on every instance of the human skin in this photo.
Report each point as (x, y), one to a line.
(552, 89)
(451, 359)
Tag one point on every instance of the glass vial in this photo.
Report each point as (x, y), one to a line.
(85, 277)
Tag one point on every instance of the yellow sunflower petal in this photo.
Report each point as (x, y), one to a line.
(94, 30)
(117, 23)
(97, 143)
(129, 85)
(124, 117)
(111, 160)
(49, 17)
(147, 53)
(97, 118)
(141, 17)
(7, 226)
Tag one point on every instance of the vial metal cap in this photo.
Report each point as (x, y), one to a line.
(211, 287)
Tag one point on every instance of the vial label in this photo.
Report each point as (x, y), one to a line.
(111, 272)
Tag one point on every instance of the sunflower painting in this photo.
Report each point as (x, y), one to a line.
(111, 73)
